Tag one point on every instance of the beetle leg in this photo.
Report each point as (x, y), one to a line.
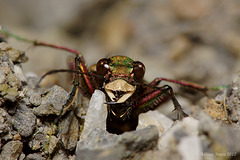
(157, 96)
(177, 106)
(85, 81)
(81, 82)
(69, 101)
(199, 87)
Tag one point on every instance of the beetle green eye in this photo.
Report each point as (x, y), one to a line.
(139, 70)
(102, 66)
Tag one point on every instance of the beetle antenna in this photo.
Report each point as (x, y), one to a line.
(38, 43)
(64, 70)
(217, 88)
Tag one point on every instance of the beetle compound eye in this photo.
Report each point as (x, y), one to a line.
(102, 66)
(139, 70)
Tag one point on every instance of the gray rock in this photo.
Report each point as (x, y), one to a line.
(111, 153)
(22, 156)
(11, 150)
(99, 145)
(52, 102)
(70, 129)
(97, 139)
(19, 73)
(139, 141)
(2, 77)
(11, 73)
(38, 141)
(4, 128)
(96, 115)
(223, 138)
(5, 123)
(51, 145)
(60, 155)
(35, 99)
(24, 120)
(234, 100)
(162, 122)
(188, 126)
(32, 79)
(162, 154)
(102, 145)
(35, 156)
(15, 55)
(190, 148)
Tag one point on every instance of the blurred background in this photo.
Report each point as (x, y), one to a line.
(193, 40)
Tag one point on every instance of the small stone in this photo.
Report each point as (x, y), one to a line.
(96, 114)
(190, 148)
(17, 137)
(24, 120)
(32, 79)
(97, 139)
(38, 141)
(19, 74)
(188, 126)
(35, 156)
(11, 150)
(4, 128)
(223, 138)
(99, 144)
(52, 102)
(51, 146)
(5, 122)
(48, 129)
(162, 122)
(4, 46)
(164, 154)
(15, 55)
(111, 153)
(2, 77)
(102, 145)
(70, 136)
(216, 111)
(22, 156)
(60, 154)
(12, 94)
(35, 99)
(140, 140)
(234, 100)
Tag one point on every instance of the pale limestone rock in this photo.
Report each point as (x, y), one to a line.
(96, 114)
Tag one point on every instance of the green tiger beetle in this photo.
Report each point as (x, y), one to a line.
(121, 79)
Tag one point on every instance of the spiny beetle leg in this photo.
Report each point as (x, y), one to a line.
(158, 95)
(177, 106)
(78, 83)
(70, 100)
(85, 80)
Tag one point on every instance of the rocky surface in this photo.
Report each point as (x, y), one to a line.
(28, 130)
(179, 39)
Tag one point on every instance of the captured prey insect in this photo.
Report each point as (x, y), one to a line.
(121, 79)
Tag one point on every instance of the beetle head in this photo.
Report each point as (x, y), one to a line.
(121, 75)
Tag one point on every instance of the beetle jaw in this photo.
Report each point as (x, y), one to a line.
(119, 90)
